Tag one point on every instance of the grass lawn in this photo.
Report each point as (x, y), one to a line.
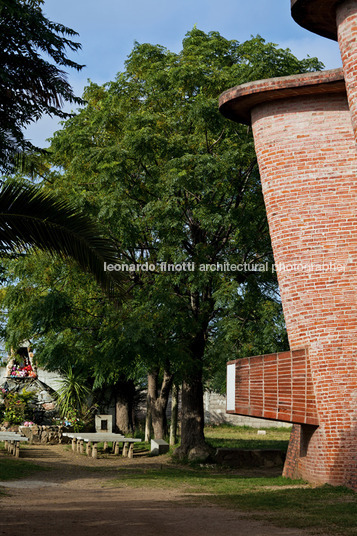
(254, 491)
(287, 503)
(12, 468)
(245, 437)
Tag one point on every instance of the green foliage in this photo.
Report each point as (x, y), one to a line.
(171, 181)
(32, 82)
(72, 418)
(176, 182)
(73, 394)
(16, 407)
(28, 216)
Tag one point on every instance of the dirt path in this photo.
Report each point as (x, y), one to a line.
(71, 500)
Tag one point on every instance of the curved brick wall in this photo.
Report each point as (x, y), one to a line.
(308, 164)
(335, 19)
(308, 167)
(347, 40)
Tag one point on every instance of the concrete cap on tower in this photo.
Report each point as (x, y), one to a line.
(318, 16)
(236, 103)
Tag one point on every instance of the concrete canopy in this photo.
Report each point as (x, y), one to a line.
(236, 103)
(318, 16)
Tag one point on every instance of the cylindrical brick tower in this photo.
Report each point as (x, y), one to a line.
(308, 163)
(335, 19)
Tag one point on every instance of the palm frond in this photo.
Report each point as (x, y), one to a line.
(30, 217)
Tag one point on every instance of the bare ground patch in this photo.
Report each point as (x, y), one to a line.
(72, 498)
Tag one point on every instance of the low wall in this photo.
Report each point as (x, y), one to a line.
(250, 458)
(215, 413)
(44, 435)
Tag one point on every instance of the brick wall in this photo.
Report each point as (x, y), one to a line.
(305, 132)
(291, 466)
(346, 17)
(308, 165)
(307, 159)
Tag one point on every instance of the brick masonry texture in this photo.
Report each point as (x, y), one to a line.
(347, 40)
(236, 103)
(276, 386)
(307, 159)
(308, 164)
(291, 467)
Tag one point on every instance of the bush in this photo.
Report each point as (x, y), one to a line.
(16, 408)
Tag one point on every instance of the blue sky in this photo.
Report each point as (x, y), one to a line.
(108, 28)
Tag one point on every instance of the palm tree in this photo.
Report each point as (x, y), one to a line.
(73, 393)
(30, 217)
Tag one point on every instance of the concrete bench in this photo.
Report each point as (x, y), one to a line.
(12, 442)
(78, 439)
(92, 440)
(128, 446)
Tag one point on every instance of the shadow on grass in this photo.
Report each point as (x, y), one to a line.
(286, 503)
(11, 468)
(216, 478)
(331, 510)
(250, 444)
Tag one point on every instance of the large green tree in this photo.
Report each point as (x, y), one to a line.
(174, 182)
(33, 53)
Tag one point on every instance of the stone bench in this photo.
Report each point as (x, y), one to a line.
(92, 440)
(78, 438)
(128, 446)
(12, 442)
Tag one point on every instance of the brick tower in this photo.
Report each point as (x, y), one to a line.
(304, 130)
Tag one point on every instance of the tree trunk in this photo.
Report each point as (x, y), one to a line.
(148, 420)
(158, 401)
(193, 445)
(124, 396)
(174, 415)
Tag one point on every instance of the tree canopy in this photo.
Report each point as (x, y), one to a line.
(32, 80)
(176, 186)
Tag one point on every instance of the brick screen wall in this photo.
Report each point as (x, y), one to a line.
(276, 386)
(307, 159)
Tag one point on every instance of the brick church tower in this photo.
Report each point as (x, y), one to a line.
(305, 130)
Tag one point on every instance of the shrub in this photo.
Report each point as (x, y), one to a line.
(16, 407)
